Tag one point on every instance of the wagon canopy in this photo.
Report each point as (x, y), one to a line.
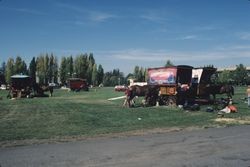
(203, 75)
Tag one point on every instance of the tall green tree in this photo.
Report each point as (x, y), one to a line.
(106, 79)
(94, 75)
(3, 67)
(81, 66)
(52, 69)
(169, 64)
(137, 73)
(90, 72)
(63, 70)
(9, 70)
(20, 66)
(55, 70)
(114, 78)
(40, 68)
(46, 68)
(70, 66)
(32, 69)
(225, 76)
(240, 74)
(100, 74)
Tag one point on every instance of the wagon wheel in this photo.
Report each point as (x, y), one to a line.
(163, 100)
(171, 101)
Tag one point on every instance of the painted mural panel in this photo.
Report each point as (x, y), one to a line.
(162, 76)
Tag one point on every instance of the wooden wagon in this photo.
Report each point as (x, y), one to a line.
(173, 82)
(21, 86)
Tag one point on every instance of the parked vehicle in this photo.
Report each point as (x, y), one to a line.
(120, 88)
(77, 84)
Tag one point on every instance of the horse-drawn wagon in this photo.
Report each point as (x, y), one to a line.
(176, 85)
(172, 81)
(21, 86)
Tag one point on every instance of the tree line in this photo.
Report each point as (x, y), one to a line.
(239, 76)
(45, 69)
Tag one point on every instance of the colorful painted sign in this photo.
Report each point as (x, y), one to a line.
(162, 76)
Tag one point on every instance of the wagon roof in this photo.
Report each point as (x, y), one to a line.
(178, 66)
(19, 76)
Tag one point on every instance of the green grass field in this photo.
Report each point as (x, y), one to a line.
(90, 114)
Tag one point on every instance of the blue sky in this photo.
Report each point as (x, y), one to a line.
(125, 33)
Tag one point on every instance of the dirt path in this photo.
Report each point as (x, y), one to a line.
(209, 147)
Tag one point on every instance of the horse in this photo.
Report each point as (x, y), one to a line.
(150, 93)
(40, 89)
(220, 89)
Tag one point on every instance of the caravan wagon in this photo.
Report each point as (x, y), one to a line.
(171, 80)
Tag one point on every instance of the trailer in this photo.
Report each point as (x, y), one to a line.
(77, 84)
(173, 81)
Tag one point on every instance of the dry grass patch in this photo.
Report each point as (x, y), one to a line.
(243, 121)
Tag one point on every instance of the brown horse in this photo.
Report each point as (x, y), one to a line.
(150, 93)
(220, 89)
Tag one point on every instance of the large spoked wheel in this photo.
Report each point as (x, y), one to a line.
(171, 101)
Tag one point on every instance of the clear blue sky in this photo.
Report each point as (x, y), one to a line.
(125, 33)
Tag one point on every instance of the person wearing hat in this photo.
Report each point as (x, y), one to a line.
(248, 95)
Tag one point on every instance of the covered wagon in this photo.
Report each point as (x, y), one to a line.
(172, 81)
(21, 86)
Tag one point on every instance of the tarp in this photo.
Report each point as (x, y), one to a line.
(162, 76)
(196, 74)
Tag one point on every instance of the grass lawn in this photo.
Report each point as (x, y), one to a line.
(89, 114)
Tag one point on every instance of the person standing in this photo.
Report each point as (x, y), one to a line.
(248, 95)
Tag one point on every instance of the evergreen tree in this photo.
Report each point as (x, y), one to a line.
(94, 75)
(63, 72)
(40, 68)
(81, 66)
(55, 70)
(225, 76)
(20, 66)
(46, 69)
(169, 64)
(9, 70)
(137, 73)
(3, 68)
(70, 66)
(240, 74)
(106, 79)
(90, 72)
(100, 74)
(32, 70)
(51, 69)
